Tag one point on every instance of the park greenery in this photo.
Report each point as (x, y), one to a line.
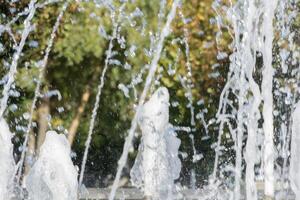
(77, 60)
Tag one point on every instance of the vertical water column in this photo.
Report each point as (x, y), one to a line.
(247, 95)
(157, 164)
(295, 150)
(244, 18)
(153, 66)
(7, 163)
(250, 49)
(269, 7)
(239, 136)
(53, 175)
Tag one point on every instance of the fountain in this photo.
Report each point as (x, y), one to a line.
(38, 87)
(256, 123)
(152, 70)
(14, 63)
(157, 164)
(294, 166)
(7, 164)
(251, 26)
(53, 175)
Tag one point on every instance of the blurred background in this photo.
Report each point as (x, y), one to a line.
(194, 59)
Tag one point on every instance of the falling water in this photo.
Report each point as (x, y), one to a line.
(164, 33)
(294, 170)
(42, 68)
(285, 18)
(53, 175)
(251, 25)
(99, 91)
(267, 95)
(189, 85)
(248, 107)
(157, 164)
(7, 164)
(16, 56)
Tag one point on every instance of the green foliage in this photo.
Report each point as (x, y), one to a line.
(77, 61)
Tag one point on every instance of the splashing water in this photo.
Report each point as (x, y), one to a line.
(267, 95)
(263, 57)
(295, 151)
(253, 40)
(157, 164)
(16, 56)
(99, 91)
(53, 176)
(152, 69)
(7, 164)
(38, 86)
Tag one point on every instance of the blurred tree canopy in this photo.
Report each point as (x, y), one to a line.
(76, 62)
